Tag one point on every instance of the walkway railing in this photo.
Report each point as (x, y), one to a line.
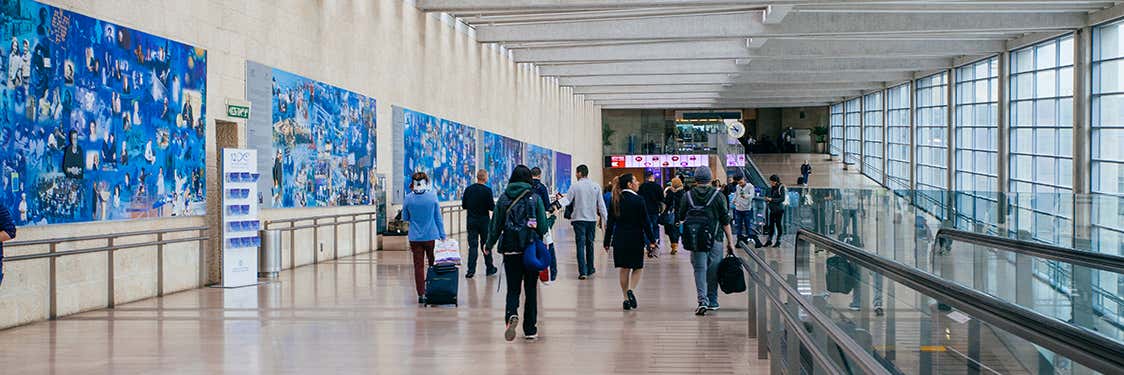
(454, 217)
(292, 225)
(1090, 349)
(110, 247)
(1101, 261)
(775, 308)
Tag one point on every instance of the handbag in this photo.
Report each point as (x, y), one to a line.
(667, 218)
(537, 256)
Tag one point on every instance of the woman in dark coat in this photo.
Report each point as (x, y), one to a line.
(629, 234)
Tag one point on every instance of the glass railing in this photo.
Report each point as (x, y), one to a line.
(917, 322)
(887, 224)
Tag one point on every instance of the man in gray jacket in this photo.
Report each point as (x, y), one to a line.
(589, 211)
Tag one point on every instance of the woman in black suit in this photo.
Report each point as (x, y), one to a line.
(629, 233)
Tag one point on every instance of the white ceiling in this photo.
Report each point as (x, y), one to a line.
(749, 53)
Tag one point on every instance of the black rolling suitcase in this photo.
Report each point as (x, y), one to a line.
(441, 285)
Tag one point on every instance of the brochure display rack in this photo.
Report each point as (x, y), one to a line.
(240, 224)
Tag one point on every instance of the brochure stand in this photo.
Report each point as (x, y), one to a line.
(240, 223)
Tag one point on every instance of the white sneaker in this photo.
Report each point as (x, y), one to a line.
(531, 337)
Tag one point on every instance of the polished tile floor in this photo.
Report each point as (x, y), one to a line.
(359, 315)
(825, 173)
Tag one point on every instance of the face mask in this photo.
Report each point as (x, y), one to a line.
(421, 186)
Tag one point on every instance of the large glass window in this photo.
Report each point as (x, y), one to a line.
(932, 143)
(977, 143)
(1041, 124)
(872, 136)
(897, 137)
(837, 129)
(852, 124)
(1107, 156)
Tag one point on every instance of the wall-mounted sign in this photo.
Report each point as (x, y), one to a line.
(237, 108)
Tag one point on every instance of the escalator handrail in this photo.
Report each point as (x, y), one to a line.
(865, 360)
(1088, 348)
(1101, 261)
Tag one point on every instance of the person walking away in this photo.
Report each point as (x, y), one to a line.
(628, 232)
(607, 196)
(589, 210)
(849, 203)
(702, 211)
(805, 171)
(514, 226)
(774, 198)
(543, 192)
(672, 196)
(7, 233)
(653, 198)
(743, 211)
(479, 202)
(422, 211)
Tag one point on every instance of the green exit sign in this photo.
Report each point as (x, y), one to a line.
(238, 111)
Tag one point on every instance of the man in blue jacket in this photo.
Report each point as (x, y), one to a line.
(7, 232)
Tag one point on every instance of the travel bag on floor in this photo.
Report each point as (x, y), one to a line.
(731, 278)
(441, 284)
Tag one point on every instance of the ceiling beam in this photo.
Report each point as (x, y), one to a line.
(774, 48)
(478, 6)
(751, 24)
(741, 88)
(752, 77)
(640, 67)
(723, 95)
(657, 67)
(713, 105)
(625, 89)
(774, 14)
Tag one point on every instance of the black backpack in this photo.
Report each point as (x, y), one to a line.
(730, 276)
(842, 275)
(516, 235)
(698, 227)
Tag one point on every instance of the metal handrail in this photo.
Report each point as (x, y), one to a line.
(292, 228)
(1092, 350)
(864, 359)
(52, 255)
(1101, 261)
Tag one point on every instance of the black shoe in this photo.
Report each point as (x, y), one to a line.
(632, 299)
(778, 244)
(582, 277)
(469, 275)
(701, 310)
(491, 272)
(768, 243)
(878, 311)
(627, 305)
(421, 300)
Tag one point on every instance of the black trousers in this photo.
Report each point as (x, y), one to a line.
(519, 278)
(477, 237)
(775, 223)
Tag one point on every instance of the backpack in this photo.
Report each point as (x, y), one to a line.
(698, 227)
(842, 275)
(516, 235)
(730, 276)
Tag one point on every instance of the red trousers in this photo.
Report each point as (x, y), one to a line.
(423, 257)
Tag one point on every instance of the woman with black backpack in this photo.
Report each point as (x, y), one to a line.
(629, 232)
(515, 226)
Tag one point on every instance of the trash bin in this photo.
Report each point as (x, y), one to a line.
(269, 255)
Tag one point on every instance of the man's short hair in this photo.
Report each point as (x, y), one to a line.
(583, 170)
(536, 172)
(481, 174)
(648, 173)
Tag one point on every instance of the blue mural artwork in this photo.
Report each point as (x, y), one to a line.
(501, 155)
(562, 172)
(543, 158)
(323, 143)
(445, 150)
(97, 121)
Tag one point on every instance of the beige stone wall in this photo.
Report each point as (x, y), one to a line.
(386, 49)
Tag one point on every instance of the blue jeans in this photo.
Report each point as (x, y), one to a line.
(705, 265)
(584, 235)
(553, 264)
(654, 222)
(743, 223)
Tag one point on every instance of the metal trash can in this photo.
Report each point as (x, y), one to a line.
(269, 255)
